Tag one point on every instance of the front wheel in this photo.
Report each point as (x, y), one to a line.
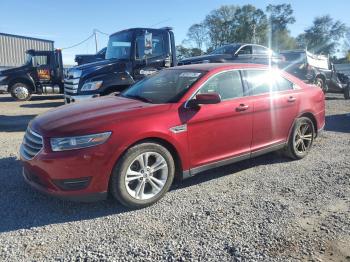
(21, 92)
(143, 175)
(301, 138)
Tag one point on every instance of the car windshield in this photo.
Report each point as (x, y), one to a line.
(168, 86)
(119, 46)
(227, 49)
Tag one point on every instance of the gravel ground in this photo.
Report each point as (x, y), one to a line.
(265, 209)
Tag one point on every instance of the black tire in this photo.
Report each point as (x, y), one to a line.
(347, 92)
(25, 91)
(295, 149)
(321, 84)
(118, 187)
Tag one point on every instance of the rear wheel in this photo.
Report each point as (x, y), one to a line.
(21, 92)
(347, 91)
(143, 175)
(321, 84)
(301, 138)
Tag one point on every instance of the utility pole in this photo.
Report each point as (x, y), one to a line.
(95, 35)
(254, 33)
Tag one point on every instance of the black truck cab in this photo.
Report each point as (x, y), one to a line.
(131, 55)
(42, 73)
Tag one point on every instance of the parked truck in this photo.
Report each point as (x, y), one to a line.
(42, 73)
(131, 55)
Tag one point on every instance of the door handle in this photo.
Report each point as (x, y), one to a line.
(241, 107)
(291, 99)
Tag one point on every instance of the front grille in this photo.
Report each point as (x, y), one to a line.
(71, 86)
(31, 145)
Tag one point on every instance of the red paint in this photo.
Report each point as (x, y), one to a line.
(214, 132)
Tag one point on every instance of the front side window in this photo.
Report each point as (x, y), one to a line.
(228, 85)
(260, 50)
(158, 48)
(245, 50)
(119, 46)
(266, 81)
(168, 86)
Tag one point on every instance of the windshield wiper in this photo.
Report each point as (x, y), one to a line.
(141, 98)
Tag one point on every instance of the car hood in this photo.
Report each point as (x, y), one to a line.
(93, 115)
(10, 71)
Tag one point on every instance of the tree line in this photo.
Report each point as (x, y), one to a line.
(269, 27)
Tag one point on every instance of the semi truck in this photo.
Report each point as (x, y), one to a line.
(131, 55)
(42, 73)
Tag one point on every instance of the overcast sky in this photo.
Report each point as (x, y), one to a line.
(69, 22)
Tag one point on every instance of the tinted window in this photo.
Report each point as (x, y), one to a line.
(294, 56)
(119, 46)
(264, 81)
(228, 85)
(260, 50)
(40, 60)
(246, 50)
(227, 49)
(158, 48)
(165, 87)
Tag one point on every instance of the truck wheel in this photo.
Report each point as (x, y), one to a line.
(301, 138)
(21, 92)
(347, 92)
(320, 83)
(143, 175)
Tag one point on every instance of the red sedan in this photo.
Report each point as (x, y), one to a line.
(178, 123)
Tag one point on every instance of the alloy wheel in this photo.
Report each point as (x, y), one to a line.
(146, 176)
(303, 138)
(21, 92)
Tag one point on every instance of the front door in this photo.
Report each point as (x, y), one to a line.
(224, 130)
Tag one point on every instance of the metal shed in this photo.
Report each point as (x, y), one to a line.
(13, 48)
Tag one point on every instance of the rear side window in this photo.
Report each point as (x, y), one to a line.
(227, 84)
(265, 81)
(245, 50)
(158, 48)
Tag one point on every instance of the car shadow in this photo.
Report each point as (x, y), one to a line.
(338, 123)
(14, 123)
(24, 208)
(43, 105)
(34, 98)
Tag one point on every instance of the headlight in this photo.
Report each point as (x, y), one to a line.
(2, 78)
(91, 86)
(76, 142)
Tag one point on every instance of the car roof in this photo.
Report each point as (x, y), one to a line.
(217, 66)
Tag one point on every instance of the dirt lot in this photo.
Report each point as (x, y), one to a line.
(266, 209)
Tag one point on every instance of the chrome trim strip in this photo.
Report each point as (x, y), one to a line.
(224, 162)
(193, 171)
(178, 129)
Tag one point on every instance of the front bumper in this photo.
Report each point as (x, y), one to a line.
(78, 175)
(3, 88)
(71, 99)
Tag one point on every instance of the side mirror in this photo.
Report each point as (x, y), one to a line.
(205, 99)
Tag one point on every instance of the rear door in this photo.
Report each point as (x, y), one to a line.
(224, 130)
(276, 101)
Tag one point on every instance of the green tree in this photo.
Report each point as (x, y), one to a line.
(280, 16)
(197, 34)
(221, 25)
(251, 25)
(323, 36)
